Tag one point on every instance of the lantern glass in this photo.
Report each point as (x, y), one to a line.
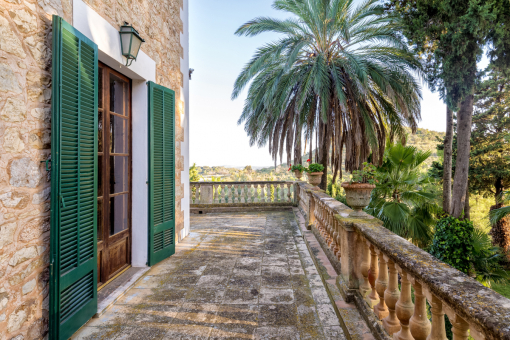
(136, 42)
(125, 39)
(130, 42)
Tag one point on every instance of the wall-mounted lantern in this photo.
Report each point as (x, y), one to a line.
(130, 42)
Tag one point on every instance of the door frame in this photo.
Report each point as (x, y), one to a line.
(104, 276)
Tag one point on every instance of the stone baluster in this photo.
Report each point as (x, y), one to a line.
(324, 222)
(242, 195)
(364, 288)
(281, 193)
(236, 193)
(256, 193)
(404, 307)
(329, 228)
(289, 196)
(191, 187)
(460, 328)
(391, 296)
(338, 238)
(475, 333)
(249, 193)
(419, 324)
(216, 195)
(373, 298)
(438, 331)
(381, 310)
(263, 193)
(318, 205)
(311, 218)
(223, 189)
(336, 244)
(230, 193)
(318, 214)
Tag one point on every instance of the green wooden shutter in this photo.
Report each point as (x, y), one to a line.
(73, 258)
(161, 173)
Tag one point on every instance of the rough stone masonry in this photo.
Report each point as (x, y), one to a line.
(25, 134)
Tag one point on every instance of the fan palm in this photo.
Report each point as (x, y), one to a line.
(497, 215)
(403, 198)
(341, 72)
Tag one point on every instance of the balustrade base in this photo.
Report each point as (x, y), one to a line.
(220, 208)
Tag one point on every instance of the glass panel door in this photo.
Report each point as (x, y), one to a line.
(115, 174)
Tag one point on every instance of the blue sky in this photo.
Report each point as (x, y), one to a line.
(217, 56)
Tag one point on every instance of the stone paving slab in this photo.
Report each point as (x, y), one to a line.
(236, 276)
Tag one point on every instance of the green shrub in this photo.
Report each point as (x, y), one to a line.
(315, 167)
(452, 243)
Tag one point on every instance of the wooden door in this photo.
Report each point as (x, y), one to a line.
(114, 187)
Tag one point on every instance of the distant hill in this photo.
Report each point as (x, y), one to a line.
(423, 139)
(426, 140)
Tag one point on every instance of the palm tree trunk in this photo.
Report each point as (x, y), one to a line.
(298, 154)
(447, 164)
(499, 189)
(464, 119)
(324, 153)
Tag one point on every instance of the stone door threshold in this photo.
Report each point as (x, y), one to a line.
(114, 290)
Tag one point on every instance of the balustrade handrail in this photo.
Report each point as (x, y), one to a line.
(379, 252)
(244, 182)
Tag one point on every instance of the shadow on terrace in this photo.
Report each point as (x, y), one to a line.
(281, 260)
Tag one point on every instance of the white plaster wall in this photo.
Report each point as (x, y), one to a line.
(93, 26)
(185, 205)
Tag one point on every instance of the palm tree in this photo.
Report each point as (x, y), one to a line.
(403, 198)
(500, 222)
(339, 72)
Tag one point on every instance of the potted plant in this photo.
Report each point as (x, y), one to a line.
(314, 172)
(298, 170)
(359, 189)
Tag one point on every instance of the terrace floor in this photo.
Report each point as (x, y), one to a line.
(236, 276)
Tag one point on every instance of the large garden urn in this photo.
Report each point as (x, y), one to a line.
(298, 174)
(314, 178)
(357, 196)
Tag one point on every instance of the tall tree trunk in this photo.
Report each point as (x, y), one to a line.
(323, 145)
(310, 152)
(464, 119)
(447, 164)
(298, 154)
(467, 207)
(499, 190)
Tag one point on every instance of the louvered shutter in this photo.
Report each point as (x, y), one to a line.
(161, 173)
(73, 258)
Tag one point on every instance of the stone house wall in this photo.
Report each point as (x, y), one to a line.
(25, 135)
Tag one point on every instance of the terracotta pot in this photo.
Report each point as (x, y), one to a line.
(298, 174)
(314, 178)
(357, 196)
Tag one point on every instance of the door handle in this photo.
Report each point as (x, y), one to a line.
(63, 201)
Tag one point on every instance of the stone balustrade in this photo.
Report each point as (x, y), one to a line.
(242, 193)
(371, 260)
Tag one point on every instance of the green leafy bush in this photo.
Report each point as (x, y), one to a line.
(297, 167)
(452, 243)
(366, 175)
(315, 167)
